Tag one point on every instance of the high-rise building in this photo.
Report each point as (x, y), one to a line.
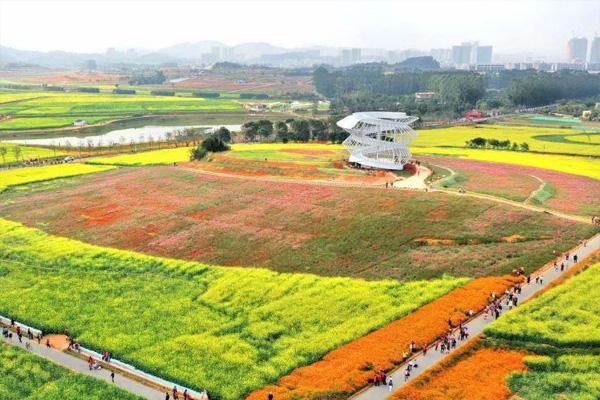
(595, 51)
(577, 50)
(356, 56)
(483, 55)
(461, 55)
(350, 56)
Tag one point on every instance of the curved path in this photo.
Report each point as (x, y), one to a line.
(476, 325)
(413, 185)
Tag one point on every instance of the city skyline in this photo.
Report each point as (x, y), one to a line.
(530, 27)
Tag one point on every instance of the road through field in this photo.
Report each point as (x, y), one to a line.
(79, 365)
(476, 325)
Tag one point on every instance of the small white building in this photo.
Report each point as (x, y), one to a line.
(424, 96)
(80, 123)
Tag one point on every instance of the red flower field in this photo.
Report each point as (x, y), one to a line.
(574, 193)
(183, 213)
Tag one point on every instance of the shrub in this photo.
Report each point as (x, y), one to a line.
(162, 93)
(123, 91)
(214, 144)
(207, 95)
(198, 153)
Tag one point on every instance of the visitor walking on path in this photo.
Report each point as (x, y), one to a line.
(453, 339)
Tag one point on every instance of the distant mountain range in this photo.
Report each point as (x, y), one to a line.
(182, 52)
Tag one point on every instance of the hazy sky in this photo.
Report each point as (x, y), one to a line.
(542, 27)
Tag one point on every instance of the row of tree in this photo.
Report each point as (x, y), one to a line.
(299, 130)
(384, 87)
(483, 143)
(545, 88)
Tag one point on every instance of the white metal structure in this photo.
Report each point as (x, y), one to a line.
(379, 139)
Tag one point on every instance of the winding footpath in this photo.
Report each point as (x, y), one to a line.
(476, 325)
(414, 183)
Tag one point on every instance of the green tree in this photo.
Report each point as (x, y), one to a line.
(301, 129)
(198, 153)
(214, 144)
(16, 152)
(224, 134)
(3, 152)
(250, 130)
(524, 146)
(281, 131)
(265, 128)
(318, 129)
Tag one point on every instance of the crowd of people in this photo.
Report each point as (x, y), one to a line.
(495, 306)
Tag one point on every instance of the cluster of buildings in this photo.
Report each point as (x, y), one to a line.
(577, 50)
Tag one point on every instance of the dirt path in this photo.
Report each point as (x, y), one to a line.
(416, 181)
(533, 194)
(413, 185)
(476, 325)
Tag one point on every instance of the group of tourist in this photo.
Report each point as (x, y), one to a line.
(186, 396)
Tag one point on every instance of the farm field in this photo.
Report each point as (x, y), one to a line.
(569, 193)
(474, 373)
(47, 122)
(566, 317)
(21, 176)
(193, 323)
(302, 161)
(25, 376)
(27, 152)
(584, 166)
(342, 371)
(541, 139)
(155, 157)
(290, 227)
(38, 110)
(561, 326)
(568, 376)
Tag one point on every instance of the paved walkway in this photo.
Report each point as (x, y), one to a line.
(81, 366)
(476, 325)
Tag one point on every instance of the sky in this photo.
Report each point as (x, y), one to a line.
(511, 26)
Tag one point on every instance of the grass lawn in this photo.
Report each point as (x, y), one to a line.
(292, 227)
(26, 376)
(193, 323)
(21, 176)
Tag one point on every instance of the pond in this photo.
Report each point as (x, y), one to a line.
(143, 134)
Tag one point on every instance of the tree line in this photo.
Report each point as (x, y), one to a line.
(297, 130)
(483, 143)
(387, 87)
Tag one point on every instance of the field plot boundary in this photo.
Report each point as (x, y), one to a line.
(477, 324)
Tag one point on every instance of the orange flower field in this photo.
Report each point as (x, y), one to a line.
(474, 374)
(349, 368)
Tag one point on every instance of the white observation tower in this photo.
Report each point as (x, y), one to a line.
(379, 139)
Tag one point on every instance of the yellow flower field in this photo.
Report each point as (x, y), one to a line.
(21, 176)
(542, 139)
(154, 157)
(585, 166)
